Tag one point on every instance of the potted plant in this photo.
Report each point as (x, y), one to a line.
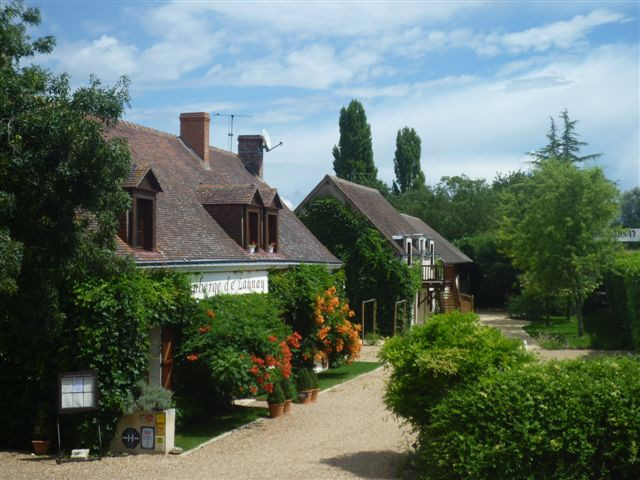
(304, 383)
(287, 389)
(41, 433)
(276, 401)
(251, 247)
(272, 247)
(314, 383)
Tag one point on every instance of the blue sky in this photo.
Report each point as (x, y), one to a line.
(477, 80)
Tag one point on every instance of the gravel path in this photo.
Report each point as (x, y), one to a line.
(347, 434)
(513, 328)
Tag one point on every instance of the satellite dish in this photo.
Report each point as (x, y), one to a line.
(266, 139)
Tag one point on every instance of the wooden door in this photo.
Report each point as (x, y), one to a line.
(166, 361)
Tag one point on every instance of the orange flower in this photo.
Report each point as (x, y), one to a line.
(211, 314)
(272, 338)
(204, 329)
(192, 358)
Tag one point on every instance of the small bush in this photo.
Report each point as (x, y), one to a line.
(563, 420)
(287, 388)
(447, 352)
(276, 396)
(304, 380)
(148, 398)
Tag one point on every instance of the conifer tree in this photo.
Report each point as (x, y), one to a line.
(406, 164)
(353, 156)
(566, 147)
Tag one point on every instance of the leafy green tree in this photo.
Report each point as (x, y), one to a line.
(557, 229)
(60, 198)
(406, 164)
(630, 208)
(566, 147)
(353, 156)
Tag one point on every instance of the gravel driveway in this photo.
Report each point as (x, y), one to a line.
(348, 434)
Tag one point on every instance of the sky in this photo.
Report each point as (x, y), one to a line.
(478, 81)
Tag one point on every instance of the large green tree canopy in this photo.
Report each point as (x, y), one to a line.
(557, 228)
(60, 198)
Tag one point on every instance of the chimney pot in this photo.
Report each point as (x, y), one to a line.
(250, 150)
(194, 131)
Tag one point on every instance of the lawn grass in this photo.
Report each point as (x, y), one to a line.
(334, 376)
(601, 332)
(190, 436)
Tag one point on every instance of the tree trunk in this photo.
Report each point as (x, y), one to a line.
(546, 311)
(579, 314)
(568, 308)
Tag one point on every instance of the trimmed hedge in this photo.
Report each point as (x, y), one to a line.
(447, 352)
(563, 420)
(622, 283)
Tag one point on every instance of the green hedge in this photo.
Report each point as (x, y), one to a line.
(622, 284)
(449, 351)
(563, 420)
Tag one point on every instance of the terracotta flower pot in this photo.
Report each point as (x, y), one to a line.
(41, 447)
(287, 407)
(276, 410)
(314, 394)
(304, 396)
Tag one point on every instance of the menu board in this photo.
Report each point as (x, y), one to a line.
(78, 391)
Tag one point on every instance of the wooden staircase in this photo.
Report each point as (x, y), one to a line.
(450, 299)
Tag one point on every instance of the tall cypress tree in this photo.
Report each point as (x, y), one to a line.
(353, 156)
(406, 164)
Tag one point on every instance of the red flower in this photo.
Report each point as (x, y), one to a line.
(253, 390)
(268, 387)
(204, 329)
(272, 338)
(192, 357)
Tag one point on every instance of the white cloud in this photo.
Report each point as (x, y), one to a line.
(563, 34)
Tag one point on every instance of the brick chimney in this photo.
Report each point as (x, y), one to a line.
(194, 131)
(250, 152)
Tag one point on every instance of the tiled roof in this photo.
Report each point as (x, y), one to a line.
(447, 251)
(229, 195)
(185, 231)
(372, 205)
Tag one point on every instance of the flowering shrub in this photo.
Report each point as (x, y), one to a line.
(336, 339)
(241, 344)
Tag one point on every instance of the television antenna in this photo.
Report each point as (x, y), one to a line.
(267, 141)
(231, 117)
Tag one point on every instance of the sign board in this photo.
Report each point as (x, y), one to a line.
(77, 391)
(630, 235)
(231, 283)
(147, 438)
(130, 438)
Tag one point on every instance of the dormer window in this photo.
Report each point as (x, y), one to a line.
(247, 213)
(138, 227)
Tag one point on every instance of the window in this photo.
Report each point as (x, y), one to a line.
(143, 233)
(253, 227)
(272, 230)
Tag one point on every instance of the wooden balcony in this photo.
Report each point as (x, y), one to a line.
(432, 273)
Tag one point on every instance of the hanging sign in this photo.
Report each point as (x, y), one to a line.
(77, 391)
